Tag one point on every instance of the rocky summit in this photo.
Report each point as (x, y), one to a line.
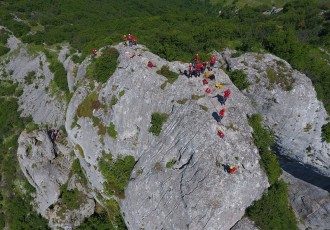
(180, 178)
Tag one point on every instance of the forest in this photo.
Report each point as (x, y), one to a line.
(172, 29)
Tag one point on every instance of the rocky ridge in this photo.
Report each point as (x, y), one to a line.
(193, 193)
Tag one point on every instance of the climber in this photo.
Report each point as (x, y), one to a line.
(212, 60)
(232, 169)
(204, 64)
(221, 99)
(197, 59)
(124, 40)
(130, 39)
(150, 64)
(222, 113)
(199, 67)
(134, 40)
(226, 94)
(220, 133)
(218, 85)
(208, 90)
(94, 52)
(190, 70)
(205, 82)
(54, 134)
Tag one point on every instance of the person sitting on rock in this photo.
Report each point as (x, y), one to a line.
(197, 59)
(222, 113)
(150, 64)
(221, 134)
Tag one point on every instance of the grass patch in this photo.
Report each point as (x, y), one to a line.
(103, 67)
(8, 88)
(111, 130)
(71, 199)
(182, 102)
(30, 77)
(76, 169)
(166, 72)
(162, 86)
(116, 173)
(81, 151)
(204, 108)
(170, 163)
(264, 139)
(239, 78)
(326, 132)
(272, 210)
(279, 76)
(3, 50)
(31, 127)
(196, 97)
(308, 127)
(113, 101)
(102, 130)
(121, 93)
(157, 121)
(85, 109)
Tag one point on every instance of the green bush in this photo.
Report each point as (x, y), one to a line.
(3, 50)
(157, 121)
(170, 75)
(326, 132)
(116, 173)
(71, 199)
(76, 169)
(8, 88)
(85, 109)
(170, 163)
(239, 78)
(112, 130)
(105, 65)
(60, 76)
(272, 211)
(264, 139)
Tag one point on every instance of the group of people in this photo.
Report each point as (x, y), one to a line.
(130, 39)
(54, 135)
(197, 68)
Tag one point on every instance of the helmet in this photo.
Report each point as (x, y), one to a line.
(190, 64)
(125, 35)
(196, 54)
(231, 167)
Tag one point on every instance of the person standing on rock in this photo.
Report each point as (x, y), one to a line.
(124, 40)
(197, 59)
(199, 67)
(226, 94)
(130, 40)
(212, 61)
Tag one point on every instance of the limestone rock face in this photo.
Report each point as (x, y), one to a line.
(287, 101)
(195, 192)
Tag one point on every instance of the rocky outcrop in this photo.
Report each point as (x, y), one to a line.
(195, 192)
(287, 101)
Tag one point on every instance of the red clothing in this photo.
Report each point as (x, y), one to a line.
(226, 93)
(124, 38)
(150, 64)
(130, 37)
(204, 82)
(190, 68)
(232, 170)
(199, 66)
(197, 58)
(208, 90)
(212, 60)
(94, 51)
(222, 113)
(221, 134)
(204, 64)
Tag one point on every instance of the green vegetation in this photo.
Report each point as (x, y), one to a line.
(104, 66)
(279, 76)
(196, 97)
(9, 88)
(76, 169)
(308, 127)
(121, 93)
(113, 101)
(3, 50)
(163, 85)
(85, 109)
(158, 167)
(239, 78)
(264, 139)
(15, 209)
(170, 163)
(30, 77)
(111, 130)
(170, 75)
(116, 173)
(326, 132)
(204, 108)
(182, 102)
(272, 211)
(71, 199)
(157, 121)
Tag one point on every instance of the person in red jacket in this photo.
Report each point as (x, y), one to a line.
(212, 60)
(197, 59)
(150, 64)
(94, 52)
(130, 39)
(222, 113)
(134, 40)
(205, 82)
(221, 134)
(232, 169)
(199, 67)
(190, 70)
(204, 64)
(226, 94)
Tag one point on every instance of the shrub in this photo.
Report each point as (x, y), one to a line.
(326, 132)
(113, 101)
(166, 72)
(112, 130)
(105, 65)
(30, 77)
(170, 163)
(3, 50)
(71, 199)
(85, 109)
(8, 88)
(239, 78)
(121, 93)
(60, 77)
(182, 102)
(116, 173)
(264, 139)
(157, 121)
(272, 210)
